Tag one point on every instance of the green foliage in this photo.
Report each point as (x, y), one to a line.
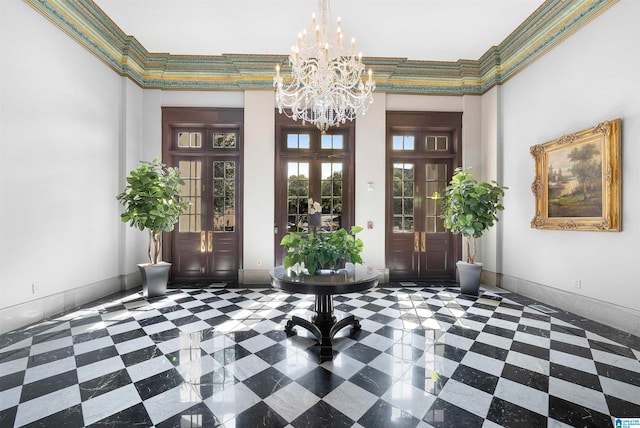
(585, 169)
(470, 207)
(151, 201)
(325, 250)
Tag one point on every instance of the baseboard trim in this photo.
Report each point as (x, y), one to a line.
(610, 314)
(44, 308)
(489, 278)
(254, 276)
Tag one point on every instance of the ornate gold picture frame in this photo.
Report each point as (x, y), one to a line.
(578, 180)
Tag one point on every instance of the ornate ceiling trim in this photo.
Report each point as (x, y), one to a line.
(550, 24)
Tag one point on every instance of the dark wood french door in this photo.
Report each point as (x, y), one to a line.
(312, 166)
(422, 154)
(206, 243)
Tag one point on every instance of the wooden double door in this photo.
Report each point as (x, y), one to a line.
(312, 168)
(206, 145)
(422, 153)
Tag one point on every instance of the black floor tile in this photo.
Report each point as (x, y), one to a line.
(240, 368)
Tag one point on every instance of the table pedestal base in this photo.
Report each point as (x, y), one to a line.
(323, 325)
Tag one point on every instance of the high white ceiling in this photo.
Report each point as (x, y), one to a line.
(437, 30)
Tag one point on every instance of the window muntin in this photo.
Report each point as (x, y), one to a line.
(331, 194)
(436, 143)
(298, 141)
(403, 196)
(191, 140)
(191, 192)
(224, 140)
(436, 181)
(332, 142)
(404, 142)
(297, 196)
(224, 196)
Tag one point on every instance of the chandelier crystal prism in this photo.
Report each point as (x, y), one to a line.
(326, 86)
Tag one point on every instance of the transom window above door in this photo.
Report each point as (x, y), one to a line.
(206, 139)
(428, 143)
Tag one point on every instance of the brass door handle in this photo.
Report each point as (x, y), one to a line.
(424, 242)
(206, 242)
(416, 242)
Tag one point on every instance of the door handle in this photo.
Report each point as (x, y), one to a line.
(416, 242)
(210, 242)
(203, 242)
(424, 242)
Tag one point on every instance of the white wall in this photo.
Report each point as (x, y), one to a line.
(259, 187)
(370, 167)
(133, 243)
(490, 244)
(61, 112)
(590, 77)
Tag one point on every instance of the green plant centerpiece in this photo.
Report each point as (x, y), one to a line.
(470, 208)
(151, 201)
(312, 252)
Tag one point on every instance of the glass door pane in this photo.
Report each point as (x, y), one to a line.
(224, 191)
(298, 196)
(331, 194)
(191, 193)
(436, 181)
(403, 195)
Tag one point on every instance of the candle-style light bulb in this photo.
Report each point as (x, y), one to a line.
(278, 71)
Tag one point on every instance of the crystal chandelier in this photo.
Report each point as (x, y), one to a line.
(326, 86)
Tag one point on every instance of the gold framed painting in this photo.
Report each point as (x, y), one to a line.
(578, 180)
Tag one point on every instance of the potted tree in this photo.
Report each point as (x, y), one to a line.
(470, 208)
(151, 201)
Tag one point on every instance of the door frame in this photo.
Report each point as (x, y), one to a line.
(420, 123)
(285, 124)
(210, 118)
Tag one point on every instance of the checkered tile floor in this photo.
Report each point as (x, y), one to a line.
(425, 356)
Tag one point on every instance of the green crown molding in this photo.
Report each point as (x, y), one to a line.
(550, 24)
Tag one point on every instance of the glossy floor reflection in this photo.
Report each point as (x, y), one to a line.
(426, 356)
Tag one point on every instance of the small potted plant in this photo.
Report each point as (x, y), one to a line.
(151, 201)
(319, 252)
(470, 208)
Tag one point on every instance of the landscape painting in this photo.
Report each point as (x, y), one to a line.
(578, 180)
(575, 181)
